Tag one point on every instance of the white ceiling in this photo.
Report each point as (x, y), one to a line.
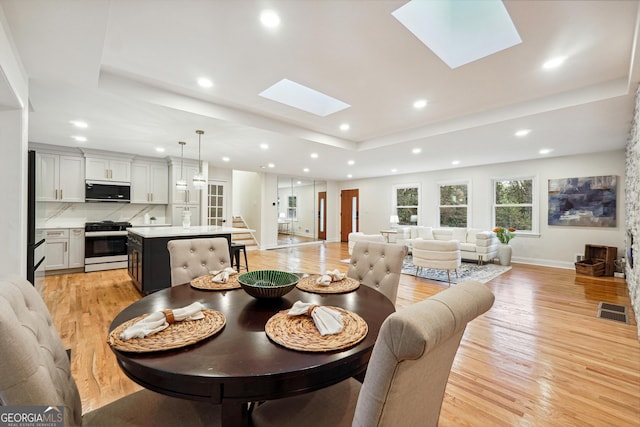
(129, 69)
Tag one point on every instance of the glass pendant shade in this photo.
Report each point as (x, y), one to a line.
(198, 179)
(181, 184)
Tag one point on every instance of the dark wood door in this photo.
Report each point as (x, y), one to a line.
(322, 215)
(349, 213)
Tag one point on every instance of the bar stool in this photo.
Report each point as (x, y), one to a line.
(235, 256)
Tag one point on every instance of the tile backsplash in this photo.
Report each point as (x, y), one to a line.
(76, 214)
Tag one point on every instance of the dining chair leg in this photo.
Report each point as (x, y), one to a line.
(449, 277)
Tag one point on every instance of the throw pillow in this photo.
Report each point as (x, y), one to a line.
(471, 234)
(459, 234)
(425, 233)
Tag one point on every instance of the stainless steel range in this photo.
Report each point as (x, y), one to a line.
(105, 245)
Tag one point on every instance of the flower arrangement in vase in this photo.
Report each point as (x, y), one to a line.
(504, 251)
(505, 234)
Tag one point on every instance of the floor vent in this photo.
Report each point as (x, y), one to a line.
(613, 312)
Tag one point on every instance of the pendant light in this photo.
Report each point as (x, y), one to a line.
(198, 179)
(181, 184)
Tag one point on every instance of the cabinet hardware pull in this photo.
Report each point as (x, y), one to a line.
(65, 246)
(56, 198)
(61, 194)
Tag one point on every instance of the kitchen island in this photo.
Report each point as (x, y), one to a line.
(148, 256)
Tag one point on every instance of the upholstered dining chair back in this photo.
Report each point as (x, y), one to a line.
(407, 373)
(35, 371)
(34, 367)
(191, 258)
(413, 355)
(378, 265)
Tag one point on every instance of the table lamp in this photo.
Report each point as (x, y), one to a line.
(394, 220)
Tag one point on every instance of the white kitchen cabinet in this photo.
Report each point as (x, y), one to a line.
(64, 248)
(60, 178)
(190, 196)
(57, 249)
(108, 169)
(149, 182)
(76, 248)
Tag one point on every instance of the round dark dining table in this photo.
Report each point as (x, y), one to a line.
(240, 364)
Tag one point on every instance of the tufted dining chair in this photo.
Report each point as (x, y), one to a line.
(438, 255)
(378, 265)
(35, 371)
(407, 373)
(191, 258)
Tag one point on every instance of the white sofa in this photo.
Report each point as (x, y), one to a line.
(358, 235)
(475, 244)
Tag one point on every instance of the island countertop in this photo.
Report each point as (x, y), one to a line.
(198, 230)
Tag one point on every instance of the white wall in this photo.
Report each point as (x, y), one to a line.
(555, 245)
(13, 162)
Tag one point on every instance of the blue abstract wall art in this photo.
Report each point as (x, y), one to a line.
(583, 202)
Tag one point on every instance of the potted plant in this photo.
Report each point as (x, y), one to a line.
(152, 219)
(504, 251)
(505, 234)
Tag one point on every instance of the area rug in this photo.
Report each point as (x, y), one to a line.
(467, 271)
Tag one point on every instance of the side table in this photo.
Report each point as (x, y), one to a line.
(387, 233)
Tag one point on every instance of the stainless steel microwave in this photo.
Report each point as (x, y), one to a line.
(107, 192)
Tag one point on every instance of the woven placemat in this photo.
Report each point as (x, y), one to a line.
(205, 282)
(300, 333)
(176, 335)
(341, 286)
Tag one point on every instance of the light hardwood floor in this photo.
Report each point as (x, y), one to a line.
(539, 357)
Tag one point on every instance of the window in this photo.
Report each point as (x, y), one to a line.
(453, 208)
(406, 200)
(292, 207)
(515, 204)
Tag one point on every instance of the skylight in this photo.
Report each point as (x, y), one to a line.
(303, 98)
(460, 32)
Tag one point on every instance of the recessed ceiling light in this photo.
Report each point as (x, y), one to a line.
(305, 170)
(394, 170)
(345, 127)
(416, 150)
(269, 19)
(349, 176)
(80, 138)
(523, 132)
(225, 159)
(205, 82)
(298, 96)
(351, 162)
(271, 165)
(554, 62)
(545, 151)
(264, 146)
(79, 124)
(455, 162)
(314, 155)
(420, 104)
(160, 149)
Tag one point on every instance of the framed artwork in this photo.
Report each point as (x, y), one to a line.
(583, 202)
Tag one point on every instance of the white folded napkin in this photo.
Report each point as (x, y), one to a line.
(327, 320)
(222, 276)
(160, 320)
(330, 276)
